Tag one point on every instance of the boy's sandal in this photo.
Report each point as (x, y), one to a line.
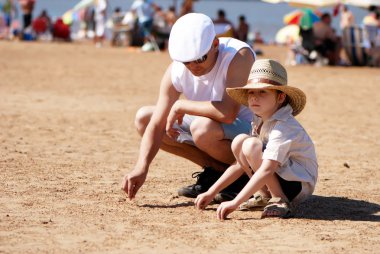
(257, 203)
(281, 209)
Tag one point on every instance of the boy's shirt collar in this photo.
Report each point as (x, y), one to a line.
(282, 114)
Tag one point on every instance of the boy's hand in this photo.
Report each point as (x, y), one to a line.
(202, 200)
(225, 208)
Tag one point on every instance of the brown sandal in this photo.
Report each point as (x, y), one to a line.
(257, 203)
(280, 207)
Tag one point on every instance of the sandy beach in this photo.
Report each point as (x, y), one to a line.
(67, 138)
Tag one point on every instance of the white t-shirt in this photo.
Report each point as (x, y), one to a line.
(288, 143)
(100, 7)
(211, 86)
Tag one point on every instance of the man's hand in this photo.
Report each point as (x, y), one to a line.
(132, 182)
(172, 117)
(225, 208)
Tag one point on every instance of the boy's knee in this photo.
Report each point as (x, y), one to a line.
(142, 119)
(237, 142)
(252, 146)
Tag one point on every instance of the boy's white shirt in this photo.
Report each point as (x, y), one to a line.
(288, 143)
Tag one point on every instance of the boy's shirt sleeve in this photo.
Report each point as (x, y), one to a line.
(279, 143)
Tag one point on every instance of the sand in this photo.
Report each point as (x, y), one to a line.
(67, 138)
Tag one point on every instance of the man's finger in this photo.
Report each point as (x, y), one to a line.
(130, 188)
(124, 184)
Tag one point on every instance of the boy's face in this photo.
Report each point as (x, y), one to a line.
(265, 102)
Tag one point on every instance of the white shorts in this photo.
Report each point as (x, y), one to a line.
(239, 126)
(100, 27)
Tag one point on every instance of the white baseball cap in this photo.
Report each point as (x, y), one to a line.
(191, 37)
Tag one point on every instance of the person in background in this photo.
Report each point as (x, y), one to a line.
(224, 27)
(347, 18)
(10, 13)
(200, 126)
(186, 7)
(117, 19)
(3, 28)
(242, 29)
(171, 16)
(100, 22)
(89, 20)
(42, 25)
(144, 10)
(371, 22)
(61, 31)
(27, 7)
(325, 39)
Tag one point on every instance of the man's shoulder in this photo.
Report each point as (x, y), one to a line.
(233, 46)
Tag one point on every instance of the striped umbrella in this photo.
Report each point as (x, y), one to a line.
(305, 18)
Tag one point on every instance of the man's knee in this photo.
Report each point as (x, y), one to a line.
(252, 146)
(204, 130)
(142, 119)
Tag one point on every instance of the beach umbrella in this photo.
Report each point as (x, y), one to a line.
(83, 4)
(73, 14)
(289, 33)
(305, 18)
(68, 17)
(306, 3)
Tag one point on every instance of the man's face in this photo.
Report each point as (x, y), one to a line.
(204, 64)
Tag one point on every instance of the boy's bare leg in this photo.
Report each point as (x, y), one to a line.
(251, 151)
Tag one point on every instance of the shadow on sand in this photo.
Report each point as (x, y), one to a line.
(317, 208)
(184, 204)
(338, 208)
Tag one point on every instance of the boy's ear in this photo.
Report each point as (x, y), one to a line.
(281, 97)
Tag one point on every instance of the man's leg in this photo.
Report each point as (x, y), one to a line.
(183, 150)
(208, 136)
(210, 151)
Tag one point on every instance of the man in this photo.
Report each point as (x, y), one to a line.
(144, 10)
(27, 7)
(100, 21)
(199, 128)
(325, 40)
(224, 27)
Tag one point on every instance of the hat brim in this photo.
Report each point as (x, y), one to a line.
(297, 98)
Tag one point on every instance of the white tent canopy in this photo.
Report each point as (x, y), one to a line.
(363, 3)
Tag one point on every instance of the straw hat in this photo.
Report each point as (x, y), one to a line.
(269, 74)
(191, 37)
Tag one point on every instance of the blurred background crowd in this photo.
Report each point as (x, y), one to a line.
(145, 24)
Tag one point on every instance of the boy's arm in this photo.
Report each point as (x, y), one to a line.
(257, 181)
(228, 177)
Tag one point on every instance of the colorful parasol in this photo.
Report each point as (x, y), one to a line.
(305, 18)
(73, 14)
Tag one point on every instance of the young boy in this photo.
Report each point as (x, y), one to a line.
(279, 156)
